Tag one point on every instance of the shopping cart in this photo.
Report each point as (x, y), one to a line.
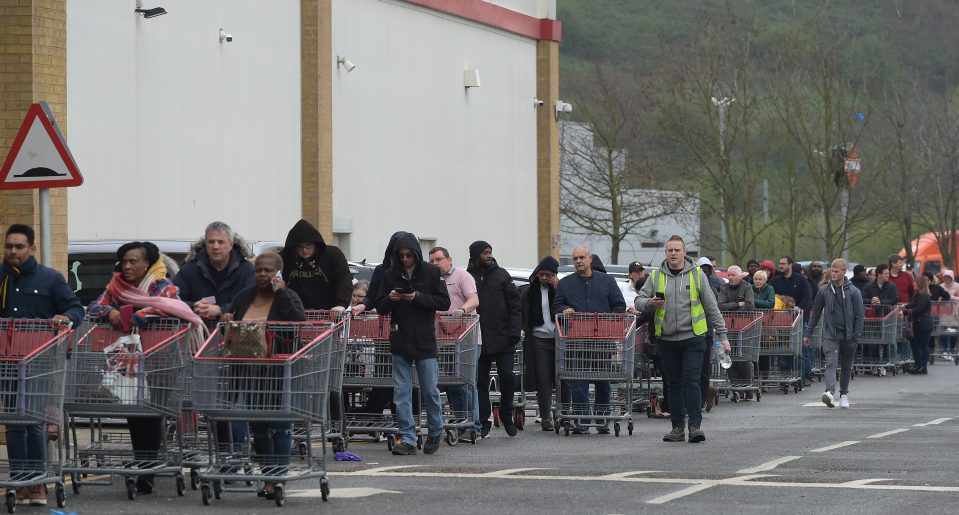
(877, 346)
(945, 328)
(815, 339)
(643, 372)
(109, 376)
(743, 330)
(290, 386)
(519, 394)
(337, 433)
(782, 340)
(903, 358)
(456, 346)
(32, 367)
(593, 347)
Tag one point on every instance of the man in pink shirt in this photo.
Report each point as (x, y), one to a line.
(904, 282)
(463, 300)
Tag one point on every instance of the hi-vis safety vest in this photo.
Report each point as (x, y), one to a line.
(696, 310)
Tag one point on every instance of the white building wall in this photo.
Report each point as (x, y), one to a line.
(414, 150)
(172, 129)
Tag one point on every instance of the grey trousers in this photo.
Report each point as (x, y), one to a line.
(843, 351)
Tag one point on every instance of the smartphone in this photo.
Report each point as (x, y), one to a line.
(274, 284)
(404, 291)
(660, 295)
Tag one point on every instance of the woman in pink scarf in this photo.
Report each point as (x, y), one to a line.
(142, 284)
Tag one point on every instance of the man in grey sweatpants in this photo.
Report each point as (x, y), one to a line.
(840, 307)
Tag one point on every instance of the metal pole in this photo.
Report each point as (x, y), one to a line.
(722, 156)
(46, 245)
(844, 211)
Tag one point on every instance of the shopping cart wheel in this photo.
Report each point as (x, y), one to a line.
(278, 494)
(205, 494)
(616, 428)
(519, 418)
(61, 495)
(797, 387)
(194, 480)
(759, 395)
(629, 428)
(301, 450)
(180, 484)
(131, 488)
(11, 501)
(217, 489)
(419, 441)
(452, 437)
(473, 436)
(496, 416)
(324, 489)
(390, 442)
(566, 428)
(734, 396)
(75, 482)
(956, 360)
(339, 444)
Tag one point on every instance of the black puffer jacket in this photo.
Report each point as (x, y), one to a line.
(413, 328)
(322, 281)
(195, 279)
(499, 308)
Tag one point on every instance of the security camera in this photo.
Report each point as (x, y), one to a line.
(345, 63)
(563, 107)
(225, 36)
(537, 102)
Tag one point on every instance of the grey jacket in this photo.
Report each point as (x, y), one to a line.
(730, 296)
(851, 301)
(678, 324)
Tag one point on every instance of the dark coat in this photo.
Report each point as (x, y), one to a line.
(598, 294)
(322, 281)
(888, 293)
(796, 286)
(920, 311)
(195, 279)
(413, 327)
(499, 311)
(370, 300)
(287, 306)
(39, 292)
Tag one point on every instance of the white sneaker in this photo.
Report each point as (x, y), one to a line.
(844, 401)
(828, 399)
(882, 372)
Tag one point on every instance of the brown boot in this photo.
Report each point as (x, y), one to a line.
(547, 424)
(38, 495)
(711, 398)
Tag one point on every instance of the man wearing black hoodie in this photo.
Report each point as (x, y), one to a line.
(412, 292)
(500, 321)
(317, 272)
(541, 333)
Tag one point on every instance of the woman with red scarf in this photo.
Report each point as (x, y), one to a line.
(141, 282)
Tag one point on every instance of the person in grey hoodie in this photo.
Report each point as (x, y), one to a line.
(679, 294)
(839, 305)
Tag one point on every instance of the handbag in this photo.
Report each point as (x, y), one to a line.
(120, 375)
(245, 340)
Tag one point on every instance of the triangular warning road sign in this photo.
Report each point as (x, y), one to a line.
(39, 157)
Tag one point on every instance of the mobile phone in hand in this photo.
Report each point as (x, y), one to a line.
(275, 284)
(660, 295)
(404, 291)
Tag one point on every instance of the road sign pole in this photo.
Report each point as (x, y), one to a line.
(46, 243)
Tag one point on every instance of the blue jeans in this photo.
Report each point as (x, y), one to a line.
(27, 450)
(808, 356)
(947, 343)
(580, 397)
(272, 442)
(683, 361)
(459, 396)
(428, 375)
(230, 432)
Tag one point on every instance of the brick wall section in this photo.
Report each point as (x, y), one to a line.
(316, 105)
(547, 149)
(33, 67)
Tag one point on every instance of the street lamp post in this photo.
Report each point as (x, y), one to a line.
(722, 104)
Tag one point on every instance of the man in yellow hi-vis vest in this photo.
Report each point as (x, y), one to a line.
(683, 302)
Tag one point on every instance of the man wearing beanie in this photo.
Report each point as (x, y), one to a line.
(541, 333)
(500, 321)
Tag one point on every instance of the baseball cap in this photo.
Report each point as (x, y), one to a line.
(704, 261)
(636, 266)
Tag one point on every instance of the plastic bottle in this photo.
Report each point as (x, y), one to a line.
(721, 356)
(387, 417)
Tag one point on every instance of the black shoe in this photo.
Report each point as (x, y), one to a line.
(144, 486)
(696, 435)
(603, 430)
(432, 444)
(580, 430)
(676, 435)
(485, 432)
(510, 427)
(404, 449)
(547, 424)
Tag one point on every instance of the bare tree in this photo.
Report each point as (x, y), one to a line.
(937, 146)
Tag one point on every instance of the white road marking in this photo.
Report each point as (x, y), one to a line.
(860, 482)
(888, 433)
(619, 475)
(933, 422)
(689, 490)
(342, 493)
(769, 465)
(507, 472)
(821, 405)
(836, 446)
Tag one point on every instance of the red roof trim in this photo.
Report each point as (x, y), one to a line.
(493, 15)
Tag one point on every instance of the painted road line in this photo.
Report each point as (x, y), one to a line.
(507, 472)
(769, 465)
(888, 433)
(860, 482)
(342, 493)
(933, 422)
(836, 446)
(689, 490)
(620, 475)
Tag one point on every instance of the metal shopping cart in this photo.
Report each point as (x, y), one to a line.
(945, 329)
(819, 367)
(782, 340)
(877, 346)
(337, 433)
(32, 367)
(903, 357)
(519, 394)
(290, 386)
(456, 346)
(643, 372)
(595, 347)
(743, 330)
(110, 376)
